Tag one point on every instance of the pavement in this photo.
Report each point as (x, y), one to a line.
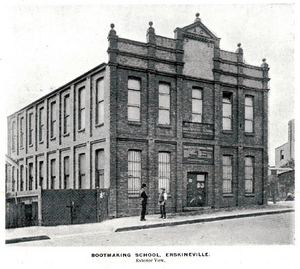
(33, 233)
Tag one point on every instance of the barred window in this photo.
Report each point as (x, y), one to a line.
(134, 100)
(82, 172)
(66, 114)
(197, 109)
(164, 104)
(134, 172)
(22, 132)
(66, 183)
(227, 111)
(52, 174)
(99, 177)
(41, 124)
(52, 119)
(100, 101)
(249, 114)
(164, 171)
(30, 140)
(249, 186)
(30, 176)
(227, 174)
(81, 109)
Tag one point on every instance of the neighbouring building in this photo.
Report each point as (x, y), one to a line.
(178, 113)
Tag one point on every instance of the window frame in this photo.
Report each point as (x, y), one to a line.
(41, 124)
(22, 120)
(99, 102)
(133, 105)
(250, 97)
(164, 170)
(162, 108)
(52, 173)
(224, 176)
(193, 108)
(67, 114)
(13, 135)
(252, 179)
(134, 172)
(31, 130)
(81, 165)
(229, 96)
(81, 109)
(53, 110)
(99, 168)
(66, 172)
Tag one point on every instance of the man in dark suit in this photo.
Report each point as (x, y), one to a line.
(144, 198)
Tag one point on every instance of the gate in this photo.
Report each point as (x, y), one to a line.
(196, 189)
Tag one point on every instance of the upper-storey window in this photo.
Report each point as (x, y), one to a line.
(227, 111)
(100, 101)
(164, 104)
(81, 109)
(249, 114)
(13, 135)
(41, 124)
(53, 119)
(22, 126)
(30, 125)
(197, 108)
(66, 114)
(134, 100)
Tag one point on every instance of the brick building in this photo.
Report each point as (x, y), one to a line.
(178, 113)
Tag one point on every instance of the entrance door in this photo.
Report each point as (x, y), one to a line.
(196, 189)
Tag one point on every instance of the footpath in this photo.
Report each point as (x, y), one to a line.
(24, 234)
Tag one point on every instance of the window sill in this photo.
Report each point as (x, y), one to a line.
(53, 138)
(164, 126)
(227, 195)
(136, 123)
(249, 195)
(81, 130)
(227, 131)
(99, 125)
(41, 142)
(133, 195)
(66, 134)
(249, 134)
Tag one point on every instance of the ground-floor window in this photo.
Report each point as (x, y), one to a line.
(134, 172)
(164, 171)
(249, 175)
(227, 174)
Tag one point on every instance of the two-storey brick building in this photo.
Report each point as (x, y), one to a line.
(177, 113)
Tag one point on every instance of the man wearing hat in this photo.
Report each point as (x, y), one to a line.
(162, 203)
(144, 198)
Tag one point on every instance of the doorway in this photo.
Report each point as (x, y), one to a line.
(196, 189)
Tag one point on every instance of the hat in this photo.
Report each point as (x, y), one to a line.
(144, 185)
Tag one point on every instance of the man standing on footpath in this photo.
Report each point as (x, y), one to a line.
(144, 198)
(162, 203)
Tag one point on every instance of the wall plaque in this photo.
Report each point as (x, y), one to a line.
(203, 154)
(197, 130)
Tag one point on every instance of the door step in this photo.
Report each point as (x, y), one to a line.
(195, 208)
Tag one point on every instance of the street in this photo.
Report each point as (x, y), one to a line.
(278, 229)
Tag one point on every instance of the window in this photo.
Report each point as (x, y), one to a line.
(82, 171)
(99, 169)
(227, 111)
(164, 171)
(30, 176)
(21, 177)
(249, 114)
(41, 124)
(13, 179)
(41, 174)
(134, 172)
(282, 154)
(30, 139)
(66, 183)
(52, 174)
(249, 175)
(22, 132)
(227, 174)
(81, 109)
(164, 104)
(66, 114)
(100, 101)
(134, 102)
(13, 135)
(197, 105)
(53, 120)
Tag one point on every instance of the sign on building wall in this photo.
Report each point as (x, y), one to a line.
(202, 154)
(197, 130)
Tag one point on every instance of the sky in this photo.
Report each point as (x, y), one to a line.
(47, 46)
